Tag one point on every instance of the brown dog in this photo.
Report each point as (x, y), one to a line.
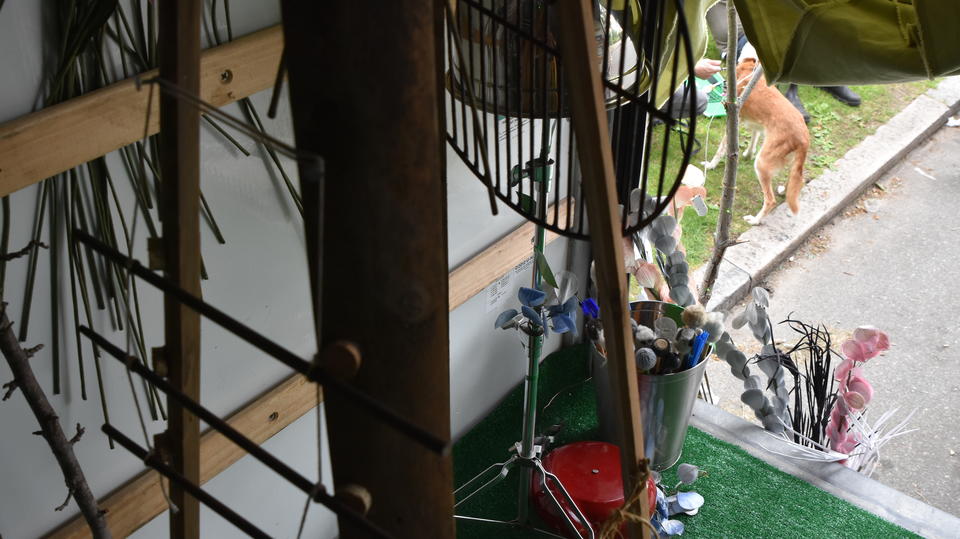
(766, 110)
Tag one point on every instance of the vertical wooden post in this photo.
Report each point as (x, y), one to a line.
(578, 46)
(179, 48)
(365, 95)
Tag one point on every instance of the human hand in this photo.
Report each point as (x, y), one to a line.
(706, 67)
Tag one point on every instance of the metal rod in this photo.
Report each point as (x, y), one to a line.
(278, 85)
(274, 350)
(315, 490)
(151, 460)
(236, 123)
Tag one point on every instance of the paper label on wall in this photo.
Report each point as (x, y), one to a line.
(497, 290)
(523, 266)
(504, 286)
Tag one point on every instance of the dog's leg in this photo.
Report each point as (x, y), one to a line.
(721, 149)
(766, 167)
(752, 147)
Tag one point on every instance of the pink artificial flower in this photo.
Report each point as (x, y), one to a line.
(842, 370)
(853, 350)
(872, 341)
(647, 274)
(860, 385)
(846, 446)
(855, 400)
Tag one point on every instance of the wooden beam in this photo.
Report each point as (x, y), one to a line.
(140, 500)
(578, 47)
(179, 53)
(58, 138)
(373, 113)
(469, 278)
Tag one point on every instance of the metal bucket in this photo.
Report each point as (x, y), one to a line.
(666, 401)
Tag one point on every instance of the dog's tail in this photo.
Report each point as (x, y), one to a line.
(795, 183)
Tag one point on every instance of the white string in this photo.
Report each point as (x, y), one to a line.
(319, 485)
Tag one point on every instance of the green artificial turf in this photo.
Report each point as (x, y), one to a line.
(745, 497)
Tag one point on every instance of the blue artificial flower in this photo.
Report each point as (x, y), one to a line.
(532, 315)
(563, 323)
(505, 318)
(590, 308)
(531, 297)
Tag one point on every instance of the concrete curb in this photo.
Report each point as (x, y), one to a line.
(844, 483)
(782, 233)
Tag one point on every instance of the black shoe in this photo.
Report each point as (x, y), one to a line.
(793, 98)
(843, 94)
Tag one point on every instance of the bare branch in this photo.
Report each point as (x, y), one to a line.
(24, 379)
(65, 503)
(721, 239)
(78, 435)
(757, 71)
(10, 386)
(32, 351)
(23, 252)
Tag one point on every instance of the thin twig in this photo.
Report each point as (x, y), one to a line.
(65, 503)
(50, 427)
(25, 251)
(721, 240)
(10, 386)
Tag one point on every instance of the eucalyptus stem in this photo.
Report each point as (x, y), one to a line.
(72, 262)
(91, 261)
(4, 236)
(32, 263)
(55, 280)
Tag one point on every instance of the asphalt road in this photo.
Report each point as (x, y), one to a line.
(891, 261)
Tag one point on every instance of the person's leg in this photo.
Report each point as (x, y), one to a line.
(842, 94)
(792, 96)
(679, 105)
(717, 23)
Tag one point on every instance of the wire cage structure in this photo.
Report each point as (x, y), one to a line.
(507, 107)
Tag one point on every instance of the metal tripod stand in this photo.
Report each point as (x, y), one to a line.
(527, 459)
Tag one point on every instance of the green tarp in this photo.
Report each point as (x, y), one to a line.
(833, 42)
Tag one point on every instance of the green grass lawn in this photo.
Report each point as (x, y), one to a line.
(834, 128)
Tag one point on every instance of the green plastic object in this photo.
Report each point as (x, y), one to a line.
(841, 42)
(714, 89)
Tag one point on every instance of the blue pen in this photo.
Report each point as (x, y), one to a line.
(698, 344)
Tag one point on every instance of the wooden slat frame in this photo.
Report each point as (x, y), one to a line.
(116, 115)
(179, 194)
(140, 500)
(58, 138)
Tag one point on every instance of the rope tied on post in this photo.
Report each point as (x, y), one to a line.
(612, 527)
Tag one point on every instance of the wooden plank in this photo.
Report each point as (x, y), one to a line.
(372, 112)
(140, 500)
(179, 53)
(578, 46)
(58, 138)
(469, 278)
